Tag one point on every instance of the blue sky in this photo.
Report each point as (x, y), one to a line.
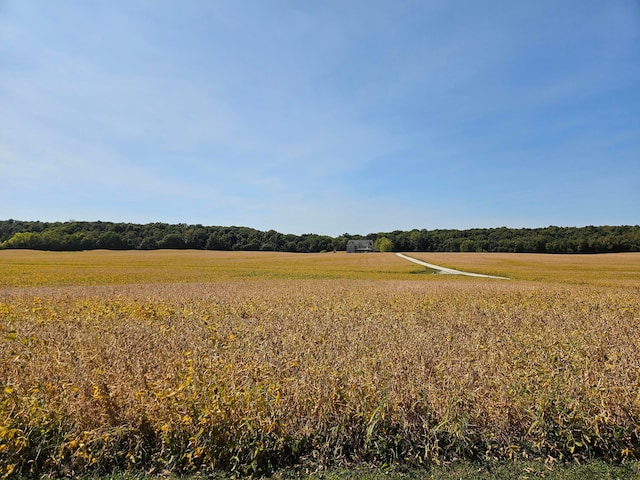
(321, 116)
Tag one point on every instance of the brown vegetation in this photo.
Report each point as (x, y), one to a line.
(203, 366)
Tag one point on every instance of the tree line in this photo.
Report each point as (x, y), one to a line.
(75, 236)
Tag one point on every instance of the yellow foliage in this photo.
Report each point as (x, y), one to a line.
(102, 352)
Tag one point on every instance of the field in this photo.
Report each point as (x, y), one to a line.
(185, 361)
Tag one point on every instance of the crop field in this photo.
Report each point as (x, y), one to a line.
(185, 361)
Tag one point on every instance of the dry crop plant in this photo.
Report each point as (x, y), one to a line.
(252, 375)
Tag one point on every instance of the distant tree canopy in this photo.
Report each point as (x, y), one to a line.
(72, 235)
(383, 244)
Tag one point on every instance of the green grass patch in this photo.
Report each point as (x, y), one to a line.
(459, 470)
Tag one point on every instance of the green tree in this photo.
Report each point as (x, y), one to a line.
(148, 243)
(467, 246)
(383, 244)
(172, 240)
(24, 240)
(111, 241)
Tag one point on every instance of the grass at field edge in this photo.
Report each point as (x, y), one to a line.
(459, 470)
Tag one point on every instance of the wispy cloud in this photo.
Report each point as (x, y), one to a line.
(292, 116)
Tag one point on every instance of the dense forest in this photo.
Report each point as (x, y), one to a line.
(72, 235)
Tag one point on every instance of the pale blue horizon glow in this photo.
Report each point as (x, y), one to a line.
(321, 117)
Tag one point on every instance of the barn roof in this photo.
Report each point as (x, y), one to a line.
(361, 243)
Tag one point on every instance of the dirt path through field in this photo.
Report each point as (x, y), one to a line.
(449, 271)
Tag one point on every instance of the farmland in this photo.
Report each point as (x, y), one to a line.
(188, 361)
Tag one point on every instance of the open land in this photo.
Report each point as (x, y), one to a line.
(193, 361)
